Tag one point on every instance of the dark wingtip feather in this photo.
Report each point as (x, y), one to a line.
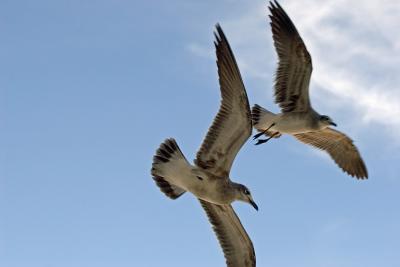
(270, 9)
(219, 33)
(255, 113)
(277, 4)
(363, 172)
(166, 187)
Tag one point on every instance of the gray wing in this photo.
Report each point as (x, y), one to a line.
(236, 244)
(341, 149)
(292, 77)
(232, 125)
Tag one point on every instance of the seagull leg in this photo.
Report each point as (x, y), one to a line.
(262, 141)
(263, 132)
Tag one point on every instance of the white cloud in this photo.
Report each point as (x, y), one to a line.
(355, 49)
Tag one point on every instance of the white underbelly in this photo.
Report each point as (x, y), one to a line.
(291, 126)
(209, 191)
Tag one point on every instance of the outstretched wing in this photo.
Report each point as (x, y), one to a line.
(236, 244)
(232, 125)
(293, 75)
(341, 149)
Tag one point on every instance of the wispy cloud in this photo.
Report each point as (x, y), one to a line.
(354, 50)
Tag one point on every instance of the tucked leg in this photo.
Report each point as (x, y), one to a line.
(262, 141)
(263, 132)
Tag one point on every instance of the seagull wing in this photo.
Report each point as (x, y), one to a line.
(236, 244)
(341, 149)
(232, 125)
(292, 77)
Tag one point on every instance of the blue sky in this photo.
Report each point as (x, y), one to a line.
(89, 89)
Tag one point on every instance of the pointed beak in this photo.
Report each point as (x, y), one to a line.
(333, 124)
(254, 204)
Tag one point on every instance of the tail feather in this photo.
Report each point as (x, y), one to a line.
(262, 119)
(166, 156)
(256, 113)
(168, 189)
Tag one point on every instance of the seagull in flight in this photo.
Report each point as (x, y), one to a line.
(297, 117)
(208, 179)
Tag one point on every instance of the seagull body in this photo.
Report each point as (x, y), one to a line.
(291, 123)
(208, 179)
(297, 116)
(183, 176)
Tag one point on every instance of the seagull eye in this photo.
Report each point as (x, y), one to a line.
(324, 118)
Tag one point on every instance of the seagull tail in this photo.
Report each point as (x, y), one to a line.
(167, 162)
(262, 119)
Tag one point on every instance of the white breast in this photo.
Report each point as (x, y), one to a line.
(292, 124)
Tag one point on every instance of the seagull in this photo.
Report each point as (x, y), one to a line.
(208, 179)
(297, 116)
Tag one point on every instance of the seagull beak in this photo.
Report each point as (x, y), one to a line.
(253, 204)
(332, 123)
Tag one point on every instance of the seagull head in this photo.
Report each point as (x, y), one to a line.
(243, 194)
(325, 121)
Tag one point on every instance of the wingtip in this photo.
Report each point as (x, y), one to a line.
(217, 38)
(274, 5)
(271, 5)
(361, 174)
(361, 177)
(221, 42)
(270, 8)
(277, 4)
(219, 33)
